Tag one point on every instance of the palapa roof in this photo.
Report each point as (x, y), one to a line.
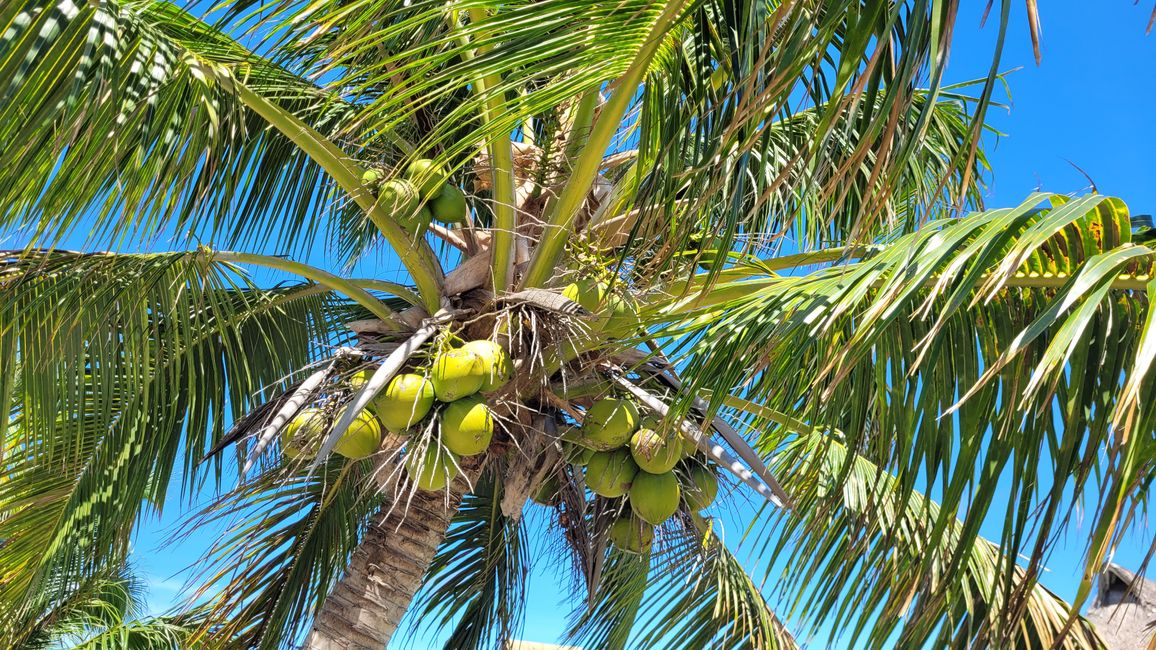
(1124, 610)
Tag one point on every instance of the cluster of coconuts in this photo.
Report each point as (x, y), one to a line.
(419, 197)
(626, 455)
(455, 379)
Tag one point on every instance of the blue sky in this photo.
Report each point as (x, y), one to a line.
(1090, 103)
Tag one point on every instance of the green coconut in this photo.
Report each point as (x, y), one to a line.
(590, 295)
(449, 205)
(427, 176)
(689, 447)
(456, 374)
(609, 473)
(371, 177)
(654, 497)
(609, 423)
(576, 454)
(467, 426)
(302, 435)
(404, 402)
(362, 438)
(631, 535)
(433, 469)
(497, 367)
(399, 199)
(420, 222)
(700, 486)
(547, 492)
(621, 317)
(653, 452)
(360, 378)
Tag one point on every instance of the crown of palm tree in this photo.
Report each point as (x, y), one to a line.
(768, 201)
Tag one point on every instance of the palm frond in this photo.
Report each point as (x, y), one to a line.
(708, 600)
(113, 117)
(860, 537)
(993, 345)
(289, 537)
(476, 584)
(125, 369)
(609, 618)
(102, 612)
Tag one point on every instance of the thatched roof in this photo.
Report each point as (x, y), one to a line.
(1124, 610)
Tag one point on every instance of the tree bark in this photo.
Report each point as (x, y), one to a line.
(386, 569)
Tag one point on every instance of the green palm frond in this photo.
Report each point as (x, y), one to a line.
(476, 584)
(118, 110)
(125, 370)
(931, 184)
(608, 619)
(709, 601)
(992, 345)
(858, 536)
(690, 592)
(103, 612)
(288, 540)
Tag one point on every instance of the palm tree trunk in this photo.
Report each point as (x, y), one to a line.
(386, 569)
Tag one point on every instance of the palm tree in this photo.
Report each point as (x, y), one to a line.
(742, 219)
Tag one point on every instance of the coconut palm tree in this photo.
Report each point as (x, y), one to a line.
(744, 241)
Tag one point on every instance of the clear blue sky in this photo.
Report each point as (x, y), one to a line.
(1090, 102)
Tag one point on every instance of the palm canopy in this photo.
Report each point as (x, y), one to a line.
(899, 350)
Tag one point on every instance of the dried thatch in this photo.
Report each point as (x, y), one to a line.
(1124, 610)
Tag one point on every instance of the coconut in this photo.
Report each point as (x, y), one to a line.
(609, 473)
(406, 400)
(360, 378)
(547, 492)
(399, 199)
(586, 292)
(589, 294)
(371, 177)
(689, 447)
(427, 176)
(653, 452)
(433, 469)
(449, 206)
(467, 426)
(456, 374)
(362, 438)
(609, 423)
(631, 535)
(420, 222)
(621, 317)
(654, 497)
(576, 454)
(302, 435)
(496, 365)
(700, 486)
